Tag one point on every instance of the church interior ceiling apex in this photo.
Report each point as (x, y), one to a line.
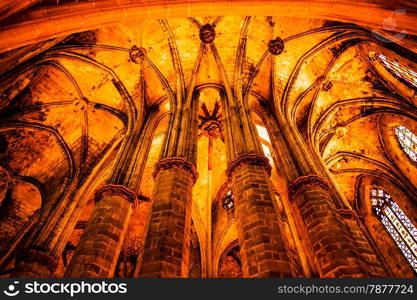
(208, 138)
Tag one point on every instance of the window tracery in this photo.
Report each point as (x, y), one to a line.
(398, 225)
(228, 200)
(408, 141)
(405, 75)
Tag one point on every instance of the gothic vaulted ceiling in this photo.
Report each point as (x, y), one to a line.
(66, 99)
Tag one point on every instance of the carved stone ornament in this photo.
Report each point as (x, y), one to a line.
(303, 183)
(327, 85)
(207, 34)
(276, 46)
(137, 54)
(80, 105)
(249, 158)
(116, 190)
(176, 162)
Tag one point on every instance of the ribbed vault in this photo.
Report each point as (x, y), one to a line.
(69, 96)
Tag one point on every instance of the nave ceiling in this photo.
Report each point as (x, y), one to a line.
(67, 102)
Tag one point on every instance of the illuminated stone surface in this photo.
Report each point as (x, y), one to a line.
(299, 117)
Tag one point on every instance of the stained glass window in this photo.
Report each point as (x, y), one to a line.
(408, 141)
(401, 229)
(228, 200)
(404, 74)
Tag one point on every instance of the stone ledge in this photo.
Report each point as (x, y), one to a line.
(116, 190)
(251, 159)
(176, 162)
(303, 183)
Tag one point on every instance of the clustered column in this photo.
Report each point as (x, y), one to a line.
(332, 245)
(114, 204)
(330, 242)
(101, 242)
(167, 245)
(261, 240)
(262, 249)
(100, 245)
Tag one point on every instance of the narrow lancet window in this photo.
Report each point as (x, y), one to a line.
(405, 75)
(399, 226)
(408, 141)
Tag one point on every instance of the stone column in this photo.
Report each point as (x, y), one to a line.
(262, 249)
(330, 239)
(34, 263)
(111, 199)
(166, 249)
(99, 247)
(33, 260)
(51, 236)
(333, 239)
(98, 251)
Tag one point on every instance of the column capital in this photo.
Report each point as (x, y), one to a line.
(303, 183)
(176, 162)
(116, 190)
(251, 159)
